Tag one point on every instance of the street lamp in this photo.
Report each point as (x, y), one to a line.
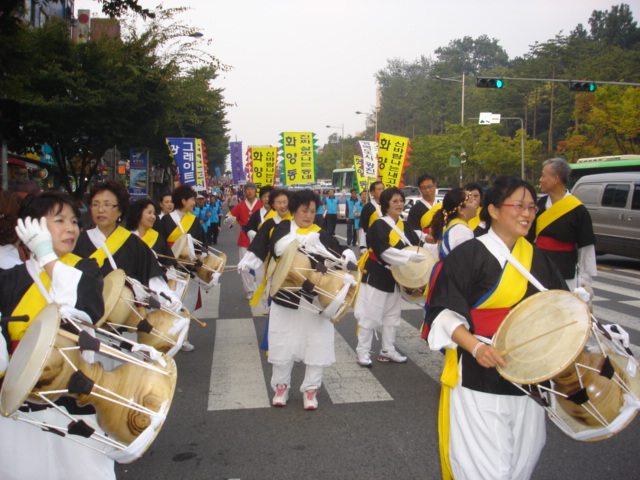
(341, 141)
(196, 34)
(373, 117)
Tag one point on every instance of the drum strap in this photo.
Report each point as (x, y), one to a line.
(34, 299)
(150, 237)
(110, 246)
(557, 210)
(427, 218)
(183, 226)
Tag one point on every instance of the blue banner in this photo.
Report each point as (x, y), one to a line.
(218, 174)
(138, 169)
(183, 151)
(237, 168)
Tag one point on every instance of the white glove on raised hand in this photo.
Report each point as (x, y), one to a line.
(208, 286)
(417, 257)
(35, 235)
(583, 294)
(349, 256)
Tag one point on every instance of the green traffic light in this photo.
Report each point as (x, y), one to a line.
(499, 83)
(593, 87)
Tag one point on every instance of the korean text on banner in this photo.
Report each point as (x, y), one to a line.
(183, 151)
(369, 160)
(200, 170)
(263, 162)
(237, 169)
(358, 164)
(299, 152)
(393, 152)
(138, 173)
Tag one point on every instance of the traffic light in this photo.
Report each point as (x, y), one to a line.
(582, 86)
(484, 82)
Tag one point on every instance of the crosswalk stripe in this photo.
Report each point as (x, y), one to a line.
(599, 286)
(606, 315)
(619, 278)
(237, 380)
(348, 382)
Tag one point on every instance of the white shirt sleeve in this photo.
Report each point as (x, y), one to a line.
(443, 327)
(393, 256)
(586, 265)
(459, 234)
(64, 284)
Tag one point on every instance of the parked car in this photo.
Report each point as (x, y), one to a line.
(342, 208)
(408, 203)
(613, 201)
(440, 193)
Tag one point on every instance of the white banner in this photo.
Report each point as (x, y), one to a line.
(369, 160)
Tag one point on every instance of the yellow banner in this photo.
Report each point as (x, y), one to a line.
(263, 165)
(200, 177)
(298, 150)
(363, 181)
(393, 152)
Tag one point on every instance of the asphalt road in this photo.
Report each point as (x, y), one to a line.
(370, 424)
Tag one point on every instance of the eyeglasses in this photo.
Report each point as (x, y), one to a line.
(106, 206)
(519, 208)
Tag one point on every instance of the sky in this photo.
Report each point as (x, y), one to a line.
(300, 65)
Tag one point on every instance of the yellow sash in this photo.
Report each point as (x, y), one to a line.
(512, 284)
(150, 237)
(449, 380)
(558, 209)
(270, 214)
(113, 243)
(394, 237)
(475, 221)
(186, 223)
(374, 216)
(425, 220)
(263, 285)
(33, 301)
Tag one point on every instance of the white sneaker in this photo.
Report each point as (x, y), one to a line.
(310, 399)
(281, 396)
(364, 359)
(391, 355)
(187, 346)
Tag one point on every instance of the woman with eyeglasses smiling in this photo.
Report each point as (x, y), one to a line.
(116, 247)
(477, 286)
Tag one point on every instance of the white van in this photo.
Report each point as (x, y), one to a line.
(613, 201)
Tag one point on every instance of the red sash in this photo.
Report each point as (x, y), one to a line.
(548, 243)
(487, 320)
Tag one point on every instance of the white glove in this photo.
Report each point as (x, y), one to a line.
(35, 235)
(228, 221)
(349, 256)
(417, 257)
(583, 294)
(620, 334)
(67, 311)
(174, 304)
(311, 238)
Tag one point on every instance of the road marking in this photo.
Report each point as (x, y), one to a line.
(210, 303)
(598, 286)
(633, 303)
(619, 278)
(611, 316)
(348, 382)
(237, 380)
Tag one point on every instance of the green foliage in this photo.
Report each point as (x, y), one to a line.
(131, 93)
(417, 104)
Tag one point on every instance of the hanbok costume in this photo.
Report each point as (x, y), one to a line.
(421, 215)
(297, 334)
(27, 452)
(565, 232)
(379, 301)
(172, 227)
(158, 245)
(493, 430)
(369, 214)
(241, 213)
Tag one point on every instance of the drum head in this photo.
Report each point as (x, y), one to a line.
(29, 359)
(283, 267)
(414, 275)
(114, 282)
(180, 248)
(542, 336)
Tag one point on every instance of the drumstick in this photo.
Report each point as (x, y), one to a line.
(509, 350)
(202, 324)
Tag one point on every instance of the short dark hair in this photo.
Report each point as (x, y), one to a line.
(470, 187)
(302, 198)
(117, 189)
(275, 193)
(375, 184)
(386, 196)
(51, 202)
(502, 189)
(183, 192)
(425, 177)
(165, 194)
(265, 189)
(135, 213)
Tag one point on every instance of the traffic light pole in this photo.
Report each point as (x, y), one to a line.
(563, 80)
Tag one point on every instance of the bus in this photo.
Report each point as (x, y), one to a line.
(344, 179)
(610, 164)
